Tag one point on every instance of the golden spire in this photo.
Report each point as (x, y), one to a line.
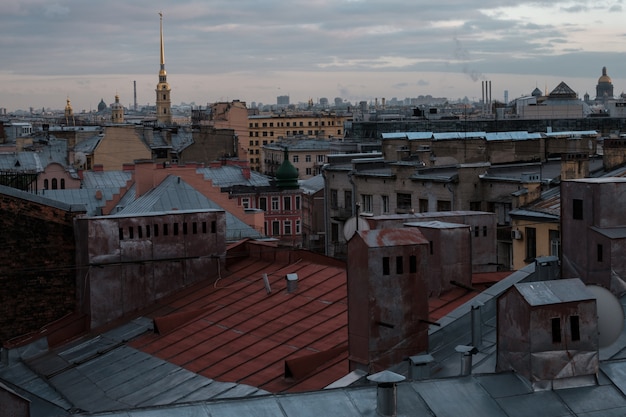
(162, 50)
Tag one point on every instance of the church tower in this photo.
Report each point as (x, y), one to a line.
(163, 102)
(117, 111)
(69, 114)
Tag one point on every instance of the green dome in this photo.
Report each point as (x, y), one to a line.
(286, 174)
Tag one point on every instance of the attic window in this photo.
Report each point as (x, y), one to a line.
(556, 330)
(577, 207)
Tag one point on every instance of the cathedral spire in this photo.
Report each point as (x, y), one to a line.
(163, 101)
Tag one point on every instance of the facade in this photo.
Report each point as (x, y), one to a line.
(163, 90)
(561, 103)
(306, 155)
(120, 145)
(548, 332)
(267, 129)
(387, 322)
(313, 203)
(231, 115)
(594, 231)
(126, 263)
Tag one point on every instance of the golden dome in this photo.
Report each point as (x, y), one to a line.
(604, 78)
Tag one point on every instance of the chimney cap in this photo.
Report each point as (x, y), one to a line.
(386, 377)
(421, 359)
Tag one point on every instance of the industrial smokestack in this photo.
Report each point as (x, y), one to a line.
(386, 394)
(135, 95)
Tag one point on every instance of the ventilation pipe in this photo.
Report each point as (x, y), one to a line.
(292, 282)
(419, 366)
(466, 358)
(477, 331)
(386, 393)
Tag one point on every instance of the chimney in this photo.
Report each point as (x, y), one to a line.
(245, 171)
(292, 282)
(613, 153)
(386, 394)
(466, 358)
(419, 366)
(574, 165)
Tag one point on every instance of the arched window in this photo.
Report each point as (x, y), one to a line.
(63, 183)
(54, 183)
(45, 184)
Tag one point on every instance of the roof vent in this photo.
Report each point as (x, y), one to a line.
(292, 282)
(419, 366)
(386, 394)
(466, 358)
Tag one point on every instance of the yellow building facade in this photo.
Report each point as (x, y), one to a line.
(266, 129)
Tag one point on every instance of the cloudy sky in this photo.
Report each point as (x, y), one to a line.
(255, 50)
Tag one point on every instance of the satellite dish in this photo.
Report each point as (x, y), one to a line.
(80, 159)
(350, 227)
(610, 315)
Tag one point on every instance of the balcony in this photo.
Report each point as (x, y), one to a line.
(341, 213)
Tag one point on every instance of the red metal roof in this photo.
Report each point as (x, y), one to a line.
(234, 331)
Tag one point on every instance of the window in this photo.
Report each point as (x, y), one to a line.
(431, 247)
(444, 205)
(251, 142)
(484, 231)
(156, 230)
(213, 226)
(275, 228)
(476, 231)
(600, 253)
(475, 206)
(555, 243)
(412, 264)
(263, 203)
(287, 203)
(203, 227)
(403, 201)
(297, 202)
(165, 229)
(175, 229)
(139, 232)
(194, 228)
(275, 203)
(121, 233)
(531, 243)
(309, 171)
(334, 232)
(245, 202)
(298, 227)
(385, 265)
(366, 203)
(333, 199)
(574, 324)
(288, 227)
(423, 205)
(54, 184)
(347, 199)
(399, 265)
(296, 158)
(63, 183)
(556, 330)
(307, 158)
(577, 207)
(320, 158)
(385, 203)
(147, 230)
(45, 184)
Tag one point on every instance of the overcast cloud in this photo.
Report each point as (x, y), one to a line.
(255, 50)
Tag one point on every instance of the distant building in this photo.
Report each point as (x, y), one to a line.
(282, 101)
(561, 103)
(604, 88)
(117, 111)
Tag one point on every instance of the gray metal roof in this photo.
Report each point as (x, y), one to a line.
(436, 224)
(554, 292)
(100, 180)
(611, 232)
(313, 184)
(81, 196)
(520, 135)
(228, 175)
(87, 146)
(458, 135)
(40, 199)
(175, 194)
(21, 162)
(103, 373)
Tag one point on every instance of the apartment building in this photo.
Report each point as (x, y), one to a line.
(266, 129)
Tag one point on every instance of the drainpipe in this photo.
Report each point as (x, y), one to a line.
(386, 393)
(326, 217)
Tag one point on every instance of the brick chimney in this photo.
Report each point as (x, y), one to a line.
(614, 153)
(574, 165)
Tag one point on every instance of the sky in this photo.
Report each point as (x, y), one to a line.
(256, 50)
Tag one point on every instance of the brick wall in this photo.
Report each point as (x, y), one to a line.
(37, 274)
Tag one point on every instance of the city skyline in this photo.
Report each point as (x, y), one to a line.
(353, 49)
